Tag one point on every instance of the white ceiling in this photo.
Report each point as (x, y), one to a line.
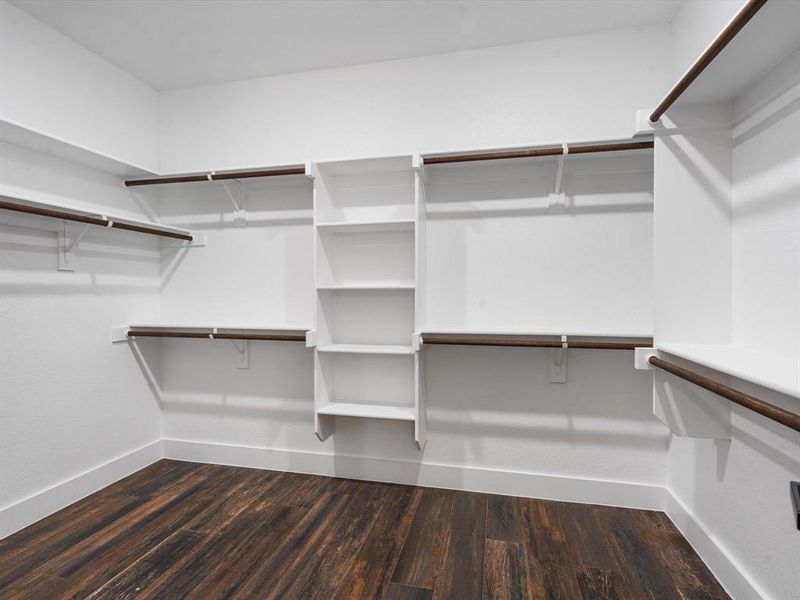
(178, 43)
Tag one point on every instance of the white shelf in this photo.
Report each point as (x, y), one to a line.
(540, 333)
(770, 36)
(367, 226)
(45, 201)
(367, 349)
(367, 285)
(39, 141)
(367, 165)
(772, 371)
(217, 325)
(368, 411)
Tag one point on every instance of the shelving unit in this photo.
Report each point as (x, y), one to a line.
(367, 219)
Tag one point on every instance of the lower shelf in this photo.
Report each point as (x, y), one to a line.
(369, 411)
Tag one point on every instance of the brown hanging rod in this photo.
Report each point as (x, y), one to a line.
(92, 220)
(273, 337)
(536, 152)
(719, 43)
(776, 413)
(290, 170)
(452, 340)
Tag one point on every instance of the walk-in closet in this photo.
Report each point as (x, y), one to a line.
(400, 299)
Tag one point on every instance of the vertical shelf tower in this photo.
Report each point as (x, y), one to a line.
(368, 232)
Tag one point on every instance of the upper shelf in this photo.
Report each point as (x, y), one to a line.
(280, 171)
(39, 141)
(772, 371)
(595, 342)
(227, 331)
(536, 152)
(754, 41)
(636, 335)
(43, 209)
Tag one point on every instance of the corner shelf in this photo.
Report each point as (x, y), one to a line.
(771, 371)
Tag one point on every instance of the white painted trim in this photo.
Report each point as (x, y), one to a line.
(473, 479)
(41, 504)
(731, 575)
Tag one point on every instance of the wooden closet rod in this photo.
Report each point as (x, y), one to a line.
(274, 337)
(519, 342)
(776, 413)
(535, 152)
(93, 220)
(291, 170)
(719, 43)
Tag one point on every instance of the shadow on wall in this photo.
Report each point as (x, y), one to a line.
(487, 408)
(105, 262)
(208, 206)
(206, 398)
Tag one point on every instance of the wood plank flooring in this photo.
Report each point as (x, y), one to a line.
(179, 530)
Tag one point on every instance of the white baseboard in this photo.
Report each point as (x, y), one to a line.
(724, 567)
(473, 479)
(33, 508)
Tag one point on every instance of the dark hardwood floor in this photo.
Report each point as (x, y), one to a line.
(181, 530)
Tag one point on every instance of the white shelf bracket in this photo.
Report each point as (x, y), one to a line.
(119, 334)
(416, 163)
(242, 353)
(643, 126)
(558, 364)
(557, 201)
(311, 338)
(68, 243)
(641, 359)
(236, 197)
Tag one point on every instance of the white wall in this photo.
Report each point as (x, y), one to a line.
(69, 400)
(54, 86)
(499, 260)
(556, 90)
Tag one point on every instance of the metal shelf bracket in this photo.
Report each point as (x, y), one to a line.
(236, 197)
(557, 201)
(558, 364)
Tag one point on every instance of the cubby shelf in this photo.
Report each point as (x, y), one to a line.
(367, 285)
(370, 411)
(369, 220)
(367, 226)
(366, 349)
